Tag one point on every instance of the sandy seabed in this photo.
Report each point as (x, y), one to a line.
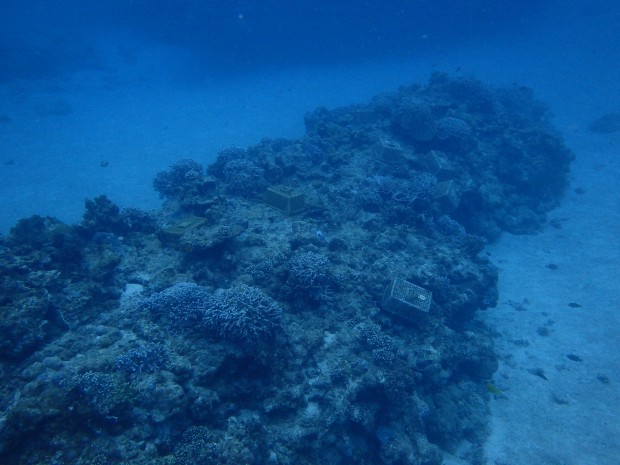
(558, 325)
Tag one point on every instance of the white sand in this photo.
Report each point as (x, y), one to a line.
(572, 417)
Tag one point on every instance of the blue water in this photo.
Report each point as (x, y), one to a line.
(129, 82)
(97, 97)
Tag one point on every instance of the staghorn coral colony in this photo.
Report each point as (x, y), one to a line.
(246, 322)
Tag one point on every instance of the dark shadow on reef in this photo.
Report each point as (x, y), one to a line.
(296, 302)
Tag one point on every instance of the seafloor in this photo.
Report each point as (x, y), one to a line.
(259, 316)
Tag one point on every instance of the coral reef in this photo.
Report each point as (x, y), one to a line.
(180, 180)
(222, 329)
(309, 275)
(243, 177)
(181, 305)
(414, 118)
(243, 313)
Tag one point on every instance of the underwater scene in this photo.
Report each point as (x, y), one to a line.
(239, 232)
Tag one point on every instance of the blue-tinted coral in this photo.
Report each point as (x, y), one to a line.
(451, 127)
(382, 345)
(103, 391)
(453, 134)
(148, 357)
(477, 97)
(420, 189)
(244, 314)
(182, 305)
(198, 446)
(310, 273)
(422, 186)
(415, 119)
(244, 177)
(137, 220)
(368, 195)
(102, 215)
(265, 269)
(314, 152)
(449, 226)
(223, 158)
(180, 179)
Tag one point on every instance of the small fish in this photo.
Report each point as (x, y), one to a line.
(575, 305)
(552, 266)
(538, 372)
(493, 389)
(574, 358)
